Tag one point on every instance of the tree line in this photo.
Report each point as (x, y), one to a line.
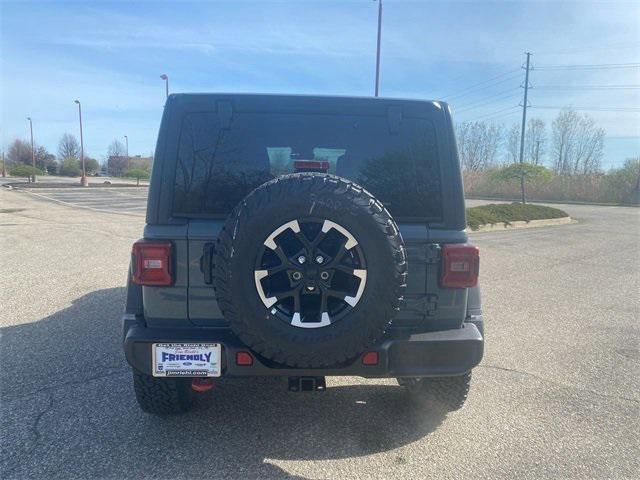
(560, 163)
(66, 163)
(573, 146)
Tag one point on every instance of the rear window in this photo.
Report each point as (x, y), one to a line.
(219, 165)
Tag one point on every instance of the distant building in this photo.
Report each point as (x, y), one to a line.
(117, 166)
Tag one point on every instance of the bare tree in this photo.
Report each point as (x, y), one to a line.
(513, 144)
(45, 161)
(577, 144)
(589, 147)
(68, 147)
(19, 152)
(478, 144)
(535, 141)
(116, 149)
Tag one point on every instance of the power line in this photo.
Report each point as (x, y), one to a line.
(586, 87)
(613, 46)
(600, 66)
(472, 87)
(490, 114)
(596, 109)
(501, 115)
(481, 88)
(490, 99)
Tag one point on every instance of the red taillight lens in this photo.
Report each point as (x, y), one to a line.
(151, 262)
(244, 359)
(370, 358)
(460, 266)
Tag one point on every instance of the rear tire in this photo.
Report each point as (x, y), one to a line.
(444, 393)
(163, 396)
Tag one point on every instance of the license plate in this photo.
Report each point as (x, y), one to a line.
(186, 359)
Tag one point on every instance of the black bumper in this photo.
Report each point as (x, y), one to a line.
(443, 353)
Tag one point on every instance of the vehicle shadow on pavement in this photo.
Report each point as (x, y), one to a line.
(68, 411)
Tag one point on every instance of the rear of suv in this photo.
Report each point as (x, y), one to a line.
(303, 237)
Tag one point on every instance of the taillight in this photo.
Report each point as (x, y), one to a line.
(244, 359)
(460, 266)
(151, 263)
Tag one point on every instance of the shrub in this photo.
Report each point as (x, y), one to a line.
(507, 213)
(615, 186)
(22, 170)
(138, 174)
(70, 168)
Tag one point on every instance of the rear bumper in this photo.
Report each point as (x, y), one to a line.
(443, 353)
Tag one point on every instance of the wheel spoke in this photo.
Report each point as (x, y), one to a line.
(344, 268)
(342, 251)
(296, 300)
(323, 300)
(283, 257)
(340, 294)
(278, 269)
(302, 238)
(283, 294)
(318, 239)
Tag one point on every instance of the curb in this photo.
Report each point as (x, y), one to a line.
(522, 224)
(557, 202)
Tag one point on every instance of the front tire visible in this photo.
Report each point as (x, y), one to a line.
(163, 396)
(444, 393)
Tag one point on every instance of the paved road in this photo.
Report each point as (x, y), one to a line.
(556, 396)
(129, 200)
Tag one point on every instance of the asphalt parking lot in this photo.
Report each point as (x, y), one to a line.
(128, 200)
(556, 396)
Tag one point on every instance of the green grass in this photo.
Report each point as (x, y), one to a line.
(510, 212)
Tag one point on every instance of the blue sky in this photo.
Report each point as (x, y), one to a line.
(110, 56)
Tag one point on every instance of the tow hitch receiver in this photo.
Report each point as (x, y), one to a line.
(307, 384)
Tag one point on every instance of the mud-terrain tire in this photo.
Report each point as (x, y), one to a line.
(443, 393)
(300, 197)
(163, 396)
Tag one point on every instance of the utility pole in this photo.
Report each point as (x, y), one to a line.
(524, 122)
(83, 180)
(33, 153)
(378, 46)
(4, 169)
(126, 142)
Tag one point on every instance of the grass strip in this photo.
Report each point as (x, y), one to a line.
(506, 213)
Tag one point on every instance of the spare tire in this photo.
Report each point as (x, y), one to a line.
(310, 270)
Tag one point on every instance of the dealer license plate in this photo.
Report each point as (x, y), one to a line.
(186, 359)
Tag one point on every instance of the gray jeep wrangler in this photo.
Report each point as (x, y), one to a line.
(303, 237)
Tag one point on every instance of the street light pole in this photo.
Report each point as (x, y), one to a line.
(33, 153)
(165, 77)
(378, 46)
(126, 142)
(83, 179)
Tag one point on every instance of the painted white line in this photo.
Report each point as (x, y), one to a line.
(75, 205)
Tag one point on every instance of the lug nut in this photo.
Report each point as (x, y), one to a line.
(311, 288)
(302, 259)
(296, 275)
(319, 259)
(324, 275)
